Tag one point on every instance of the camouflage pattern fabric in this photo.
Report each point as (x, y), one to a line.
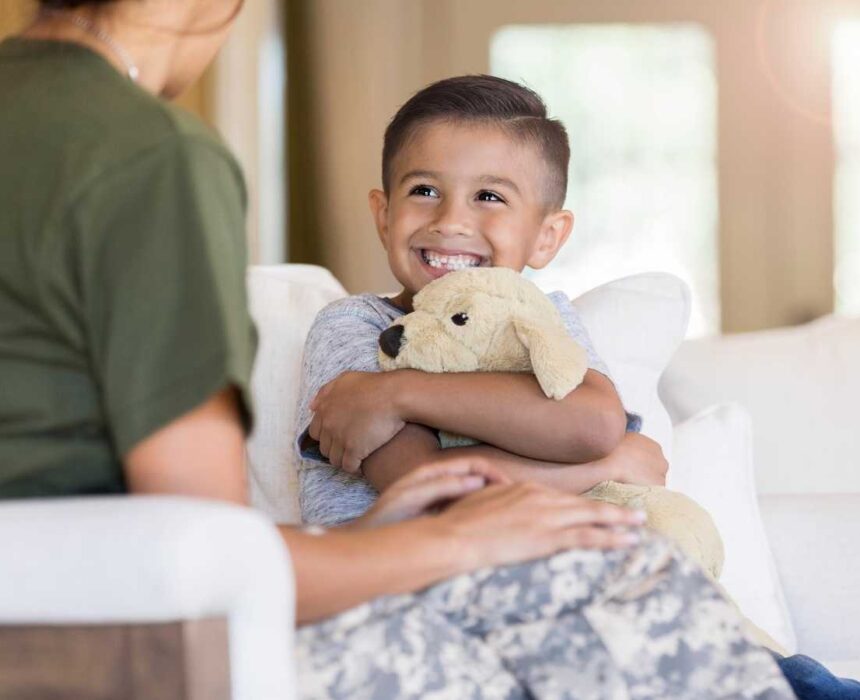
(639, 623)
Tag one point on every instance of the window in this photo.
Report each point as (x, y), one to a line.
(846, 124)
(640, 106)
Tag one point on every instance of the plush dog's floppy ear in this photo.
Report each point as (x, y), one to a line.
(558, 361)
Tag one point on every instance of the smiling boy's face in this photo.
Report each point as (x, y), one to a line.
(466, 195)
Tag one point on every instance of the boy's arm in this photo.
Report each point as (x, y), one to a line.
(509, 411)
(342, 341)
(637, 460)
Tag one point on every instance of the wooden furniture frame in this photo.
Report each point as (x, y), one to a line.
(170, 661)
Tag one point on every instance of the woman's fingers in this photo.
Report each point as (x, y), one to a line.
(586, 524)
(590, 537)
(492, 474)
(428, 486)
(461, 465)
(568, 510)
(434, 470)
(407, 499)
(428, 493)
(587, 512)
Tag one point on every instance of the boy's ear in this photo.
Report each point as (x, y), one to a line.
(379, 209)
(554, 232)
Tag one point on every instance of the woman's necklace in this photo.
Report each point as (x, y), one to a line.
(100, 34)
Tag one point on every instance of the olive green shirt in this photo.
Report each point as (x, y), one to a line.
(122, 269)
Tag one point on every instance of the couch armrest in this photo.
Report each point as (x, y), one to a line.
(154, 559)
(814, 541)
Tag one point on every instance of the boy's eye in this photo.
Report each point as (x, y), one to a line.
(460, 319)
(424, 191)
(487, 196)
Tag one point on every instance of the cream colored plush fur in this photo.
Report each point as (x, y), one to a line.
(511, 326)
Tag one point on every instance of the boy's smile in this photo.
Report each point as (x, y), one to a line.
(465, 195)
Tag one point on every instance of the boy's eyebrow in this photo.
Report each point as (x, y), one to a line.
(419, 174)
(496, 180)
(483, 179)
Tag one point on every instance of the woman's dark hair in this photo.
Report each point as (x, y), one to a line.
(71, 4)
(488, 99)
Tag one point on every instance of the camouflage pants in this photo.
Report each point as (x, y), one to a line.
(640, 623)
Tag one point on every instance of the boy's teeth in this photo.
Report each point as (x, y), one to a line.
(451, 262)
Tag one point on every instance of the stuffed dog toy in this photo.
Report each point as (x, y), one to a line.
(495, 320)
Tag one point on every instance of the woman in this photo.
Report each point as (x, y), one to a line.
(125, 354)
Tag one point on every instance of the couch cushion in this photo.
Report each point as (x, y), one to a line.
(801, 386)
(712, 463)
(844, 669)
(814, 541)
(636, 324)
(284, 301)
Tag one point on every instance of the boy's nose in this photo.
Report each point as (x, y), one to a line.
(391, 339)
(452, 220)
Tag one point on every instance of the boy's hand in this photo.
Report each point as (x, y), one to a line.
(637, 460)
(354, 416)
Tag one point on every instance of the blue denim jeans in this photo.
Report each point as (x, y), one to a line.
(811, 681)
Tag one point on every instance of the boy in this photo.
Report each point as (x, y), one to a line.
(474, 173)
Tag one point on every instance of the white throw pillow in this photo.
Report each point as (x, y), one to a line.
(712, 463)
(799, 384)
(636, 324)
(284, 301)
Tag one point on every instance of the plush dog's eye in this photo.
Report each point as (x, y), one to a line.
(459, 319)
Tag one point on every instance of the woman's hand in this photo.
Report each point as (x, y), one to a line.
(489, 525)
(354, 415)
(506, 524)
(637, 460)
(428, 488)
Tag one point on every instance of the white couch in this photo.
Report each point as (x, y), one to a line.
(149, 560)
(812, 516)
(800, 386)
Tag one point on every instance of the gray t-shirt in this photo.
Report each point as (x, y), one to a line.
(345, 338)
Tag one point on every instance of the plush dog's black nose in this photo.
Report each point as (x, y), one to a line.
(391, 339)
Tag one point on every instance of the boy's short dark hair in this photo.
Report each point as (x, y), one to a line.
(484, 98)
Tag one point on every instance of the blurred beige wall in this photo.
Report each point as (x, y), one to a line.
(14, 14)
(352, 64)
